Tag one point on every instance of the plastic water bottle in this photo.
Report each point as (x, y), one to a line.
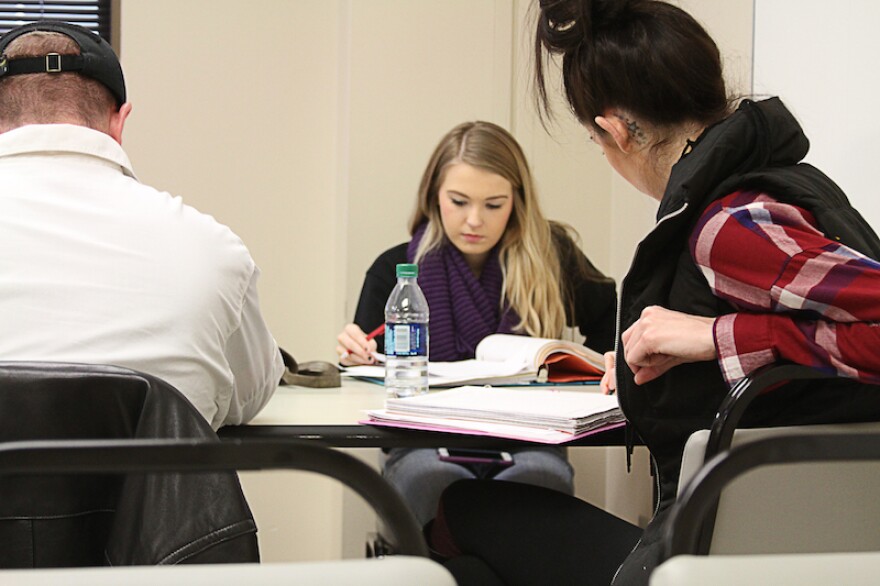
(406, 336)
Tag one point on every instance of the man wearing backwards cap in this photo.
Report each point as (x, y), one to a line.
(96, 267)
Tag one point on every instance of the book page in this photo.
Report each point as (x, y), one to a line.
(511, 348)
(473, 369)
(463, 369)
(533, 351)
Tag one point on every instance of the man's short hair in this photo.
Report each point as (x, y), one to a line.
(56, 72)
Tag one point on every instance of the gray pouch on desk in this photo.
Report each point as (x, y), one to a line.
(315, 374)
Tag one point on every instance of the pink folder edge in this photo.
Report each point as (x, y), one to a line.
(459, 431)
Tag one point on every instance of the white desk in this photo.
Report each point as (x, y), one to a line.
(331, 416)
(293, 405)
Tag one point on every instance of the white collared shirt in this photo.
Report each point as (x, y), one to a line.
(96, 267)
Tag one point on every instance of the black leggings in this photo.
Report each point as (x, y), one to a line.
(517, 534)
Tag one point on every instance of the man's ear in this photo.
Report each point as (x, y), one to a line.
(617, 130)
(117, 121)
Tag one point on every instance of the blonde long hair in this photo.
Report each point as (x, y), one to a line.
(528, 255)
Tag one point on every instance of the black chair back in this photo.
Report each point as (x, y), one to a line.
(86, 520)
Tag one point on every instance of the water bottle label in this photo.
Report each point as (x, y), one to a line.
(406, 339)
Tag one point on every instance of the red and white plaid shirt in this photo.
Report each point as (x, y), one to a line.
(799, 296)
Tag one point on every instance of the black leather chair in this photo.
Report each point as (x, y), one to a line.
(112, 519)
(200, 456)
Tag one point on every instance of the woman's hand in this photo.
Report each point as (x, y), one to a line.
(609, 380)
(661, 339)
(354, 348)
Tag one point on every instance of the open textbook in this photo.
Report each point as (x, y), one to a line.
(545, 414)
(507, 359)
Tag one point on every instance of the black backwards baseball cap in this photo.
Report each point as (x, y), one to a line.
(97, 59)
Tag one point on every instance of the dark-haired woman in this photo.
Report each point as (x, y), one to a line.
(755, 258)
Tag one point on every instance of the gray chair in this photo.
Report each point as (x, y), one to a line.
(748, 513)
(838, 523)
(769, 570)
(776, 502)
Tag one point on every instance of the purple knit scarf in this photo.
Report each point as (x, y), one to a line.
(464, 309)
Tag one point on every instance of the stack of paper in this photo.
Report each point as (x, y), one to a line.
(545, 415)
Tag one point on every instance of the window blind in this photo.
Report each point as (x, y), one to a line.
(91, 14)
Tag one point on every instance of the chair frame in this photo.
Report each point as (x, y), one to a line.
(734, 405)
(181, 455)
(731, 411)
(727, 419)
(697, 504)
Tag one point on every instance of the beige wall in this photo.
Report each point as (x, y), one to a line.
(307, 130)
(241, 120)
(413, 70)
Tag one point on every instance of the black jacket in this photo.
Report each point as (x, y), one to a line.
(758, 147)
(137, 519)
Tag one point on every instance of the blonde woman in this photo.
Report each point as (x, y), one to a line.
(489, 261)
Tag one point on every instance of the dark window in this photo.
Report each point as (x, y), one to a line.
(91, 14)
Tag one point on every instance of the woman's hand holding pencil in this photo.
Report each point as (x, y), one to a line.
(356, 347)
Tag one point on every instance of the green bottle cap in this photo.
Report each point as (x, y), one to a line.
(407, 270)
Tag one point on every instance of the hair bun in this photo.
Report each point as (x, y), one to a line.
(565, 24)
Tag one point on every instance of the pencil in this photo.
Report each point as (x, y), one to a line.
(377, 332)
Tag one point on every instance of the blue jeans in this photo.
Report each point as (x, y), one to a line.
(420, 476)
